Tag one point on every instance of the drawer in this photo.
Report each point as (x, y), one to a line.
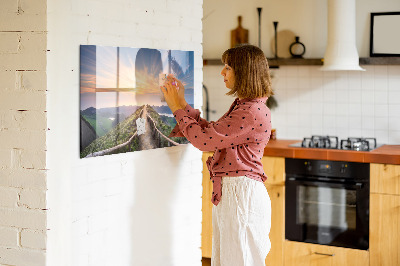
(298, 253)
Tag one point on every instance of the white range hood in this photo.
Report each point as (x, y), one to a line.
(341, 51)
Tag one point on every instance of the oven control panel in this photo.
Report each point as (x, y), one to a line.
(337, 169)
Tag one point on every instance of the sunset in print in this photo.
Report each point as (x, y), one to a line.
(118, 85)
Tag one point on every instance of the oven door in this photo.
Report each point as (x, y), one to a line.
(327, 213)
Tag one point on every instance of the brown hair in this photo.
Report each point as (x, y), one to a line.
(250, 66)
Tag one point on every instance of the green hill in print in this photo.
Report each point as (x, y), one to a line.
(123, 138)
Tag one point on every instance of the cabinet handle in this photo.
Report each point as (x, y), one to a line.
(324, 254)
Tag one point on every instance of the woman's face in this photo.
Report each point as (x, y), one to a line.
(229, 76)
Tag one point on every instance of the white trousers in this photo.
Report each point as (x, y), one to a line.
(241, 223)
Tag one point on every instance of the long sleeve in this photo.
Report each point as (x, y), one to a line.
(231, 130)
(193, 113)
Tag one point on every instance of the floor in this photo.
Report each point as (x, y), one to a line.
(206, 261)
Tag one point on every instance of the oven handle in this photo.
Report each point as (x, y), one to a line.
(357, 185)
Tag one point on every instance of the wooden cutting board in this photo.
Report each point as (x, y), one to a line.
(239, 35)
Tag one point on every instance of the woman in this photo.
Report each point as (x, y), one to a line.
(242, 208)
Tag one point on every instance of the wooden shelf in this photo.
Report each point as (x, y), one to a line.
(380, 61)
(274, 63)
(295, 62)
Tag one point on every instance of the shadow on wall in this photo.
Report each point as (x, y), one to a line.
(155, 195)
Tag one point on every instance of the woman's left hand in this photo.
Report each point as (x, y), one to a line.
(171, 95)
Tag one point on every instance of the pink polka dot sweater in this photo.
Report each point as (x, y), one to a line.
(238, 139)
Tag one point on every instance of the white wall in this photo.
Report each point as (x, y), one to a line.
(306, 19)
(140, 208)
(311, 102)
(23, 133)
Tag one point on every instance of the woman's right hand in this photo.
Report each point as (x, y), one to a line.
(181, 91)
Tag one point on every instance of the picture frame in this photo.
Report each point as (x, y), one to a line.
(384, 37)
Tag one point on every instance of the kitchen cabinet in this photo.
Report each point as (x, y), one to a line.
(385, 230)
(274, 168)
(206, 225)
(385, 214)
(305, 254)
(384, 221)
(277, 233)
(385, 178)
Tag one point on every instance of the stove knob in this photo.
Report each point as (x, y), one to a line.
(343, 168)
(308, 166)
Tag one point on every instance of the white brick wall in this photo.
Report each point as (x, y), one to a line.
(23, 132)
(33, 239)
(140, 208)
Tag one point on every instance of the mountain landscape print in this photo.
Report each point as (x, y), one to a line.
(121, 105)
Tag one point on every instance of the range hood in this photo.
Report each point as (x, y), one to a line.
(341, 51)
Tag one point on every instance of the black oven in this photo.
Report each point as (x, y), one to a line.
(327, 202)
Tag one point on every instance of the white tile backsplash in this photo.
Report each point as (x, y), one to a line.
(393, 71)
(394, 97)
(394, 82)
(382, 110)
(292, 83)
(382, 136)
(367, 110)
(304, 72)
(394, 110)
(367, 96)
(343, 103)
(342, 123)
(342, 96)
(380, 71)
(291, 71)
(304, 82)
(394, 123)
(342, 109)
(329, 109)
(381, 97)
(381, 83)
(394, 137)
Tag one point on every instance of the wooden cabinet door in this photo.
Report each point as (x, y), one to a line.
(304, 254)
(385, 178)
(274, 168)
(206, 226)
(384, 237)
(277, 233)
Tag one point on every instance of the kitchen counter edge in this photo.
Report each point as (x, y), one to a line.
(386, 154)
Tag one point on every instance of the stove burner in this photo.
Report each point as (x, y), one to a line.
(332, 142)
(328, 142)
(358, 144)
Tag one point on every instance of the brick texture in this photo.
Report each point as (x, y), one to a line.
(23, 125)
(8, 197)
(33, 239)
(9, 237)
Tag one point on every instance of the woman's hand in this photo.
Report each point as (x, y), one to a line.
(172, 95)
(181, 90)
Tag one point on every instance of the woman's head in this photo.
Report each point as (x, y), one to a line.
(251, 72)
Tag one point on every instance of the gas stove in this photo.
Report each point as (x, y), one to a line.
(332, 142)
